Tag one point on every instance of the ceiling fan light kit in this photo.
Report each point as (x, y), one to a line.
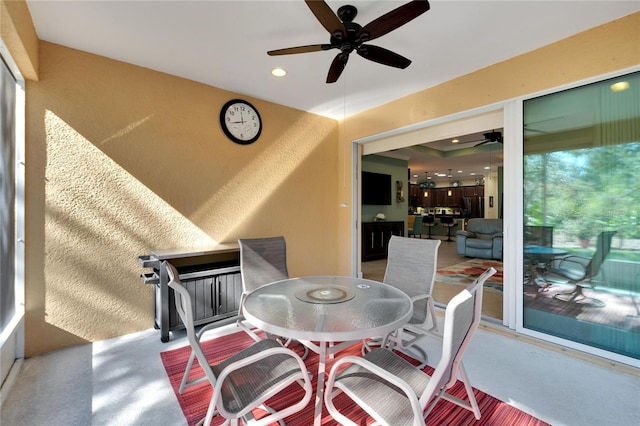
(347, 36)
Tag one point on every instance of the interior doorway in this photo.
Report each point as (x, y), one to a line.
(435, 165)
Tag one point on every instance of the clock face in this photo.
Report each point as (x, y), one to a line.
(240, 121)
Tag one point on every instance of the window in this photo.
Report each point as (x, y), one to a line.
(7, 195)
(581, 215)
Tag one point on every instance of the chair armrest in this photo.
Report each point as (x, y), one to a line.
(497, 235)
(467, 234)
(570, 262)
(260, 356)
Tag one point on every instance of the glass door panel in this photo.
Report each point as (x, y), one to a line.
(581, 215)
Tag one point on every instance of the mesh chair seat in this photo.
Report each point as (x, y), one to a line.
(246, 385)
(390, 407)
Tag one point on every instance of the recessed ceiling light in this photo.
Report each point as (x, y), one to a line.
(415, 176)
(487, 168)
(278, 72)
(455, 140)
(472, 173)
(619, 86)
(459, 171)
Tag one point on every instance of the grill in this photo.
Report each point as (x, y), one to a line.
(212, 277)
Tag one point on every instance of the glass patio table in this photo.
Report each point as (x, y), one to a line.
(318, 311)
(538, 258)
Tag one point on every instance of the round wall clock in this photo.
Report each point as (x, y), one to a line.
(240, 121)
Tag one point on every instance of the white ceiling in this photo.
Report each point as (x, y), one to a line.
(224, 44)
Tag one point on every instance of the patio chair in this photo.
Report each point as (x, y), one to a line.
(262, 260)
(411, 267)
(395, 392)
(578, 269)
(244, 381)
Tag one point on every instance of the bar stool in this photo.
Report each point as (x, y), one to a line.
(448, 222)
(430, 222)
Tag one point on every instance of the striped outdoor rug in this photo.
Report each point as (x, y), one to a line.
(194, 401)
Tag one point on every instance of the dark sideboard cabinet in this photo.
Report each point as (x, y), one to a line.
(375, 238)
(210, 274)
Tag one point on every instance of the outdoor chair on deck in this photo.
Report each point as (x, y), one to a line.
(411, 267)
(578, 269)
(395, 392)
(538, 236)
(244, 381)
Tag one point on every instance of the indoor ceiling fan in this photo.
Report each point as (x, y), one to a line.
(348, 36)
(489, 137)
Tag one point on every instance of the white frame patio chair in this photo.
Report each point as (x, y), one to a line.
(393, 391)
(262, 261)
(411, 267)
(246, 380)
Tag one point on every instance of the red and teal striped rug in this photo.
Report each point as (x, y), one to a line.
(195, 399)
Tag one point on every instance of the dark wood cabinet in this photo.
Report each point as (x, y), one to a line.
(375, 238)
(439, 197)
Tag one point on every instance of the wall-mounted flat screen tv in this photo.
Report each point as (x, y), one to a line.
(376, 188)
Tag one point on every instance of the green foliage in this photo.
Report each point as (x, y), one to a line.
(585, 191)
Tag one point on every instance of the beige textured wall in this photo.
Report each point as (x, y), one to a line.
(600, 50)
(122, 160)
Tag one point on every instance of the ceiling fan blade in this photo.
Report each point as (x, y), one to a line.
(383, 56)
(337, 66)
(482, 143)
(392, 20)
(299, 49)
(325, 16)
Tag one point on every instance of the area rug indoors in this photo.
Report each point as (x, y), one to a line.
(195, 399)
(463, 273)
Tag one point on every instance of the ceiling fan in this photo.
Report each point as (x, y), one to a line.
(348, 36)
(492, 136)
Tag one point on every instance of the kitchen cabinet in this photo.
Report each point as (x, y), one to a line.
(375, 238)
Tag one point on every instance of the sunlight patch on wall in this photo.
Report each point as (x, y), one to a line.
(247, 191)
(98, 219)
(128, 129)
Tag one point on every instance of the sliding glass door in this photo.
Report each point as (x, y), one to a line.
(7, 195)
(581, 205)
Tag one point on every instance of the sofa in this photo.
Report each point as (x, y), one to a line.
(482, 238)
